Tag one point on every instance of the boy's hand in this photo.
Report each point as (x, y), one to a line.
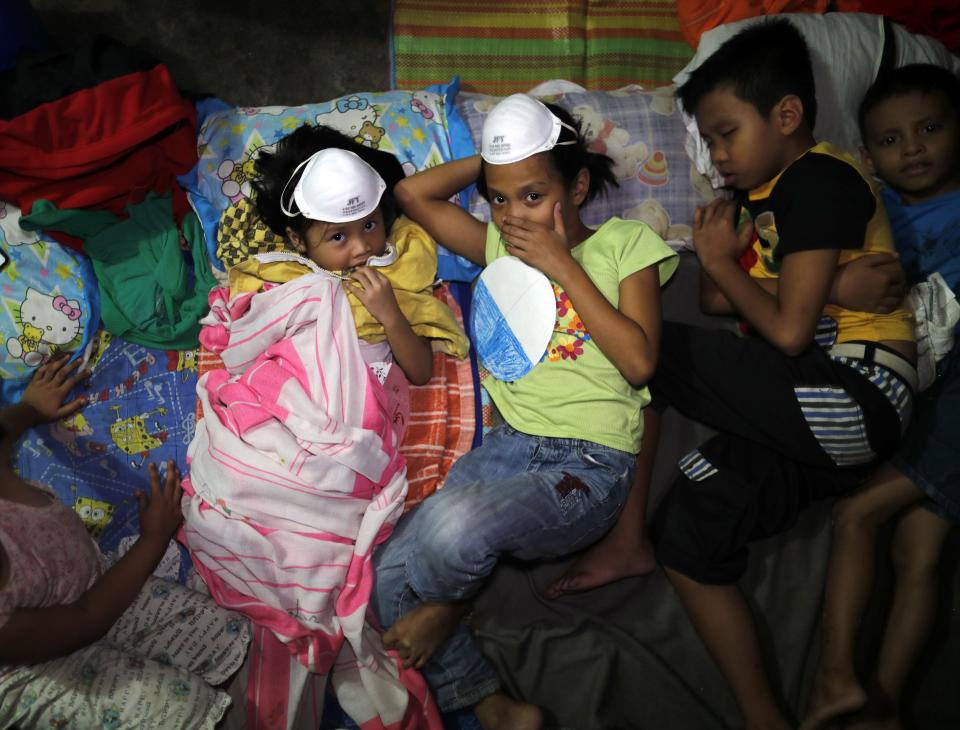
(374, 291)
(546, 249)
(714, 235)
(873, 283)
(50, 385)
(160, 513)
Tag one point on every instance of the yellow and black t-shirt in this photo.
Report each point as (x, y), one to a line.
(824, 200)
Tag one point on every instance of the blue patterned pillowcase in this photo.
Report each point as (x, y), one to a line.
(644, 134)
(412, 125)
(49, 302)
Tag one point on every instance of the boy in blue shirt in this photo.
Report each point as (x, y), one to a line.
(910, 125)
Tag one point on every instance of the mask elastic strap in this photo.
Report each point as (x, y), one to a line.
(288, 211)
(388, 257)
(567, 126)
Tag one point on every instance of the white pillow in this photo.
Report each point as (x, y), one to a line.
(845, 51)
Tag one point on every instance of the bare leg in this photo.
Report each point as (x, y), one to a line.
(500, 712)
(917, 544)
(626, 550)
(418, 634)
(723, 619)
(857, 518)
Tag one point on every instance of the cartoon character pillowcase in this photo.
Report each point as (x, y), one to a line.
(415, 126)
(48, 302)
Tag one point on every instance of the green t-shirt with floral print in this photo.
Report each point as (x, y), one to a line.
(575, 391)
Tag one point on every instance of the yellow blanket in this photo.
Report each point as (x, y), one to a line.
(411, 275)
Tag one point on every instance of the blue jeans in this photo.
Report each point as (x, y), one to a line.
(529, 497)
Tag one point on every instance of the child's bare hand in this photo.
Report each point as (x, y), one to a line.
(50, 385)
(873, 283)
(373, 289)
(540, 246)
(714, 233)
(160, 513)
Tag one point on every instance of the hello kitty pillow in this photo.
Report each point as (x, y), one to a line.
(414, 126)
(48, 302)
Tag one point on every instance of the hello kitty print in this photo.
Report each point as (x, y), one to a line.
(48, 324)
(48, 302)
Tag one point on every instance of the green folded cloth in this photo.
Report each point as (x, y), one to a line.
(147, 293)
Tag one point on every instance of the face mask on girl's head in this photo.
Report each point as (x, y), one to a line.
(336, 186)
(519, 127)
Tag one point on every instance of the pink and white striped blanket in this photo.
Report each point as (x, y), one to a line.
(295, 476)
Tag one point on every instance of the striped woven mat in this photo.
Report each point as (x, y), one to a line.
(503, 46)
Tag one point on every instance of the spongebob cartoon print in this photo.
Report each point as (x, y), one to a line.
(98, 345)
(131, 436)
(95, 515)
(183, 362)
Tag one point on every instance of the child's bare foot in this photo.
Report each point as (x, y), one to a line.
(619, 554)
(880, 713)
(418, 634)
(833, 695)
(500, 712)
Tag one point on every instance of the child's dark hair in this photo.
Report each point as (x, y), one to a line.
(568, 159)
(923, 77)
(761, 64)
(273, 171)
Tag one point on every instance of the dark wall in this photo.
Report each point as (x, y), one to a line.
(247, 53)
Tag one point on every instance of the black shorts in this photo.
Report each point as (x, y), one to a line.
(792, 430)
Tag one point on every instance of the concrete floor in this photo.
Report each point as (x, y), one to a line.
(246, 52)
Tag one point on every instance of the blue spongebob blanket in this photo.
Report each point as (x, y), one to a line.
(141, 410)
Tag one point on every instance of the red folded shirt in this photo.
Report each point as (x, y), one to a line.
(102, 147)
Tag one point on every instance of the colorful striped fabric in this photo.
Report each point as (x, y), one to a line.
(511, 45)
(442, 418)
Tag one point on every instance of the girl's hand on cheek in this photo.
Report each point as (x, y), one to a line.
(373, 289)
(714, 235)
(540, 246)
